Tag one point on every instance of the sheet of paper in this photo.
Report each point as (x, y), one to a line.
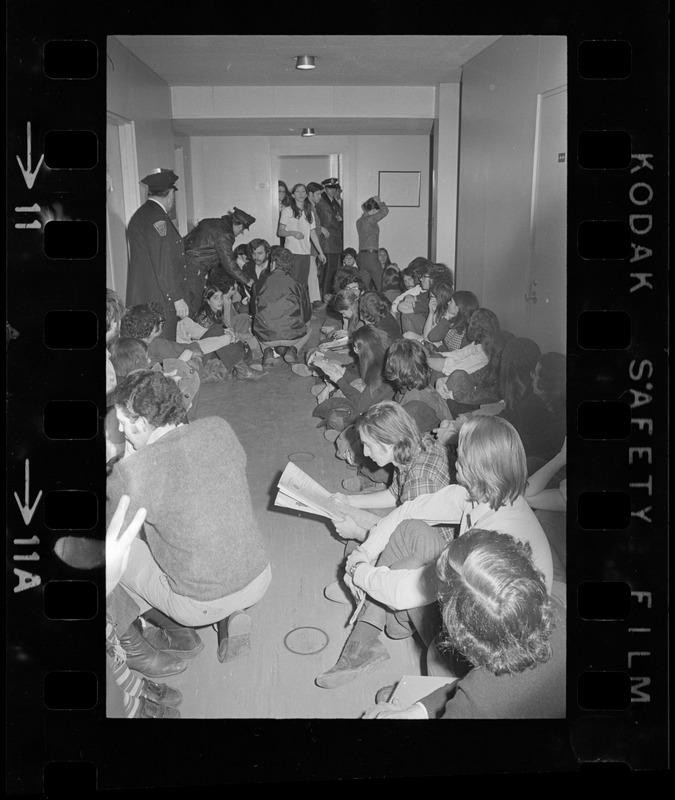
(298, 485)
(412, 688)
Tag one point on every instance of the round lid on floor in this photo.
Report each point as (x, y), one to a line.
(306, 640)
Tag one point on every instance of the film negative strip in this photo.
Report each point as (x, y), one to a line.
(617, 693)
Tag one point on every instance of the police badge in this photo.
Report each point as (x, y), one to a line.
(160, 227)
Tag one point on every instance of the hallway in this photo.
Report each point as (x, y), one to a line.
(272, 419)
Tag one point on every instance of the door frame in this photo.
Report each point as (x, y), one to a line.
(535, 190)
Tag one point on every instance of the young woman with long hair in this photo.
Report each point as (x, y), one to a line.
(297, 225)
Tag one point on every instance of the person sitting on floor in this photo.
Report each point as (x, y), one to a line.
(451, 323)
(408, 370)
(497, 614)
(476, 355)
(146, 322)
(390, 437)
(369, 346)
(491, 482)
(114, 311)
(413, 304)
(129, 355)
(374, 311)
(203, 560)
(392, 283)
(281, 321)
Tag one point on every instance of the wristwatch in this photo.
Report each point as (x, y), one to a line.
(352, 569)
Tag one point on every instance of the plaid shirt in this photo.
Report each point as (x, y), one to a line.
(427, 472)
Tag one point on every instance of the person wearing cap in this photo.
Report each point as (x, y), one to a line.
(209, 248)
(368, 229)
(203, 559)
(329, 212)
(157, 269)
(282, 310)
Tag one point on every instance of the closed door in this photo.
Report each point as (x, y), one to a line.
(547, 297)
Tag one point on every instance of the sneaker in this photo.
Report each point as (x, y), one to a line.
(160, 693)
(268, 357)
(337, 592)
(302, 370)
(291, 356)
(357, 657)
(360, 484)
(150, 710)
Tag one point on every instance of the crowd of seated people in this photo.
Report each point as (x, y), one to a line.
(454, 430)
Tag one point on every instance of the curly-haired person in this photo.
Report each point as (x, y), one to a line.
(204, 559)
(497, 614)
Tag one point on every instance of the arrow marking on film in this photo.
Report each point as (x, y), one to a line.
(27, 171)
(25, 509)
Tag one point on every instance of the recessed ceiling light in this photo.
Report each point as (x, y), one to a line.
(305, 62)
(308, 132)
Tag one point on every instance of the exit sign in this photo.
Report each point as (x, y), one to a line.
(561, 157)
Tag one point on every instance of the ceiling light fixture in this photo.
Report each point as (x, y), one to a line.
(308, 132)
(305, 62)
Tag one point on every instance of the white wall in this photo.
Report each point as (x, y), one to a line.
(136, 93)
(227, 169)
(498, 118)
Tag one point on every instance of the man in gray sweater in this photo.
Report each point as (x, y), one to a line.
(201, 559)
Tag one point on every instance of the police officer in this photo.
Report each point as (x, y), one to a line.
(209, 250)
(157, 271)
(329, 212)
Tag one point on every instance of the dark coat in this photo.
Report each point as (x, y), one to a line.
(329, 213)
(157, 271)
(211, 243)
(282, 308)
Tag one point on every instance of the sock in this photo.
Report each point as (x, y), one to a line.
(363, 631)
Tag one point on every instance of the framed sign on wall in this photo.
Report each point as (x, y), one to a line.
(400, 188)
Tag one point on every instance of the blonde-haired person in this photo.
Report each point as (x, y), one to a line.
(489, 494)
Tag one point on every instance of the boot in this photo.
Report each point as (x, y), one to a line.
(356, 657)
(169, 637)
(144, 658)
(242, 372)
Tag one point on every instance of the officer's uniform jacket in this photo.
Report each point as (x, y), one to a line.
(157, 271)
(329, 213)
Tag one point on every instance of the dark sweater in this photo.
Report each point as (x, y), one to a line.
(200, 526)
(535, 693)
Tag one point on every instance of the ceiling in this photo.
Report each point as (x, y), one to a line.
(270, 61)
(341, 60)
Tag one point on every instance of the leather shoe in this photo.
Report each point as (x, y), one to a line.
(160, 693)
(242, 372)
(175, 640)
(145, 658)
(291, 356)
(337, 592)
(356, 657)
(360, 484)
(151, 710)
(268, 357)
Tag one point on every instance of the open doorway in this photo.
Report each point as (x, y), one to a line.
(305, 169)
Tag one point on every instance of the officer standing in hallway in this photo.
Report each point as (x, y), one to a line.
(209, 250)
(329, 211)
(157, 270)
